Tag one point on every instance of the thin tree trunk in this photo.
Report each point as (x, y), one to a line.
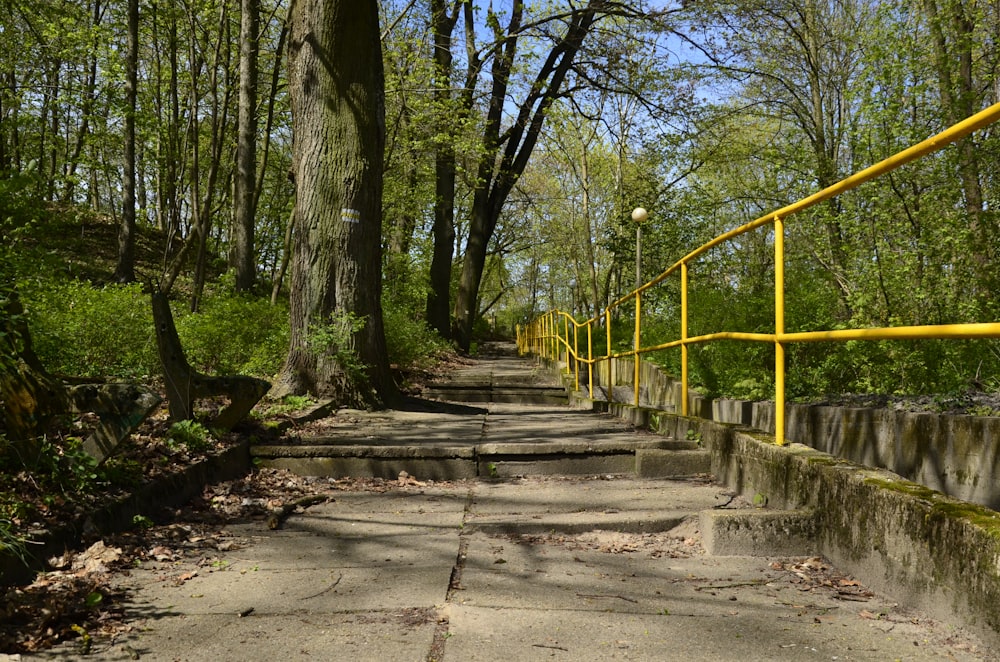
(244, 196)
(271, 100)
(589, 234)
(439, 296)
(496, 176)
(125, 268)
(86, 110)
(958, 100)
(218, 121)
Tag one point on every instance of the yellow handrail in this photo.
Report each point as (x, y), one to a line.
(780, 338)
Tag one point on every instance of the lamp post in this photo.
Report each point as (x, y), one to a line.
(639, 215)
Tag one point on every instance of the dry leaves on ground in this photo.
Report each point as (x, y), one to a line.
(814, 573)
(683, 541)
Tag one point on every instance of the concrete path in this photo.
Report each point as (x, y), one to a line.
(567, 568)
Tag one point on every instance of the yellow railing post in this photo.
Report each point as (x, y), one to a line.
(543, 340)
(779, 330)
(636, 345)
(576, 356)
(607, 327)
(590, 360)
(554, 321)
(684, 335)
(555, 338)
(566, 333)
(546, 343)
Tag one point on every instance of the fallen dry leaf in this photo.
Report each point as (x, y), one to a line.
(96, 558)
(162, 553)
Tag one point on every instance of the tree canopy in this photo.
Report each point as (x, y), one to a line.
(518, 137)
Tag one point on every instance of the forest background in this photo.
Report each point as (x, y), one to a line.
(170, 122)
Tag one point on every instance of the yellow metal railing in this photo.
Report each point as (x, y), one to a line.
(543, 336)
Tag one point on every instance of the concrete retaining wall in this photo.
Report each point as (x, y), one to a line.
(928, 550)
(957, 455)
(657, 389)
(938, 553)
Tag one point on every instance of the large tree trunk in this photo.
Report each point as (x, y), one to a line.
(244, 196)
(29, 395)
(337, 93)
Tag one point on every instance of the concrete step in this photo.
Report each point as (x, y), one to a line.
(526, 395)
(648, 457)
(659, 463)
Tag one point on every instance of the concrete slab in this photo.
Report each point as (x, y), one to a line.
(632, 522)
(398, 428)
(523, 601)
(270, 590)
(402, 575)
(482, 633)
(392, 635)
(341, 467)
(559, 495)
(553, 568)
(349, 544)
(426, 499)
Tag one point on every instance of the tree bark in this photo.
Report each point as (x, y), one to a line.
(959, 99)
(244, 197)
(337, 92)
(439, 296)
(30, 395)
(125, 268)
(286, 255)
(498, 172)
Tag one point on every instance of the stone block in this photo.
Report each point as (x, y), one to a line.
(759, 532)
(656, 463)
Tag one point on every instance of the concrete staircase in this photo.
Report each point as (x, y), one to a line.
(505, 391)
(500, 417)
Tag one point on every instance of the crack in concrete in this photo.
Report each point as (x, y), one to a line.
(442, 630)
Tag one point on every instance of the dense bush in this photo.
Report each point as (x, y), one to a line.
(234, 334)
(84, 331)
(410, 343)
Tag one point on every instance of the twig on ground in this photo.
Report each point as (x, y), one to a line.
(280, 514)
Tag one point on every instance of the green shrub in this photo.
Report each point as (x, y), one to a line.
(84, 331)
(191, 434)
(335, 337)
(410, 343)
(234, 334)
(58, 466)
